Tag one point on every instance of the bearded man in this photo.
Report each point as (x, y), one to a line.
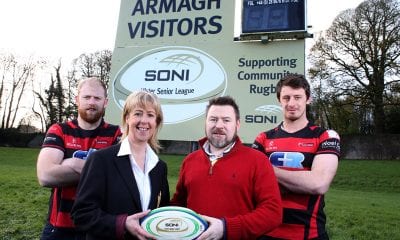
(230, 184)
(63, 154)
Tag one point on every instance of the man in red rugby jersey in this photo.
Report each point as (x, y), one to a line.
(63, 154)
(305, 159)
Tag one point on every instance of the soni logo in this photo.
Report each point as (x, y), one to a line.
(183, 78)
(172, 225)
(269, 114)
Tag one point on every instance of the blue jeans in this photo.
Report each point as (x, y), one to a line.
(53, 233)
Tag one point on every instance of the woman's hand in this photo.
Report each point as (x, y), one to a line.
(133, 227)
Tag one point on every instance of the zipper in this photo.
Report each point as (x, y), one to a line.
(212, 163)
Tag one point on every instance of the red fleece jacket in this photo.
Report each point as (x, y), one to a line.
(241, 187)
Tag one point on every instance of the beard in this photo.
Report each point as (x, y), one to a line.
(91, 116)
(221, 142)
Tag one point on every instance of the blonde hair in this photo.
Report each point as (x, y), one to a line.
(143, 99)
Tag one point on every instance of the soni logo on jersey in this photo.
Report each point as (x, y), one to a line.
(287, 159)
(331, 144)
(50, 139)
(183, 78)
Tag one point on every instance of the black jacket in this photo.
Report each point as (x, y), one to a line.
(107, 190)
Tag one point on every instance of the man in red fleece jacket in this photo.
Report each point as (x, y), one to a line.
(233, 186)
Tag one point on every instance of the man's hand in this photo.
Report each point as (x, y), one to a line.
(83, 154)
(78, 160)
(214, 231)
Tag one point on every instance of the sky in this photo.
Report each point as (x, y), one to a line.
(68, 28)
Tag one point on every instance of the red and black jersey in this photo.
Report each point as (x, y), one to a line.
(303, 215)
(69, 138)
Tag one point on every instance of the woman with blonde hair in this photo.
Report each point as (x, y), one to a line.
(120, 184)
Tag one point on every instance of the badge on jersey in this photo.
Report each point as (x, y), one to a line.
(287, 159)
(83, 154)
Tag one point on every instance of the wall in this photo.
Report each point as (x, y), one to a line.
(371, 147)
(353, 147)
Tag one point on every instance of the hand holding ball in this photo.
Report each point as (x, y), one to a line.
(174, 223)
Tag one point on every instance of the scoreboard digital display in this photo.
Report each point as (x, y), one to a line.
(273, 16)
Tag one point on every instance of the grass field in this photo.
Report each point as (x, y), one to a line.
(363, 202)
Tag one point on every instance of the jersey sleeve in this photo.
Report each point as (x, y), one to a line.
(117, 135)
(54, 138)
(329, 143)
(258, 143)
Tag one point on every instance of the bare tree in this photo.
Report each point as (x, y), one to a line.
(6, 62)
(41, 113)
(86, 64)
(53, 103)
(16, 75)
(103, 63)
(71, 89)
(360, 54)
(95, 64)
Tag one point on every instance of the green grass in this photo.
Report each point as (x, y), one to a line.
(174, 163)
(23, 203)
(362, 215)
(368, 176)
(363, 202)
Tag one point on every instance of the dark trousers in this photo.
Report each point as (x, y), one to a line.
(53, 233)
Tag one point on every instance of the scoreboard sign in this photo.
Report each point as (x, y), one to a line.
(184, 52)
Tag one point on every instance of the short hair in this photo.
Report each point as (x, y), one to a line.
(92, 80)
(143, 99)
(223, 101)
(295, 81)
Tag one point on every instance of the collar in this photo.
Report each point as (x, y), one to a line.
(281, 127)
(76, 124)
(151, 156)
(212, 156)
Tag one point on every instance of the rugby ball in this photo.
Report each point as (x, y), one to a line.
(174, 223)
